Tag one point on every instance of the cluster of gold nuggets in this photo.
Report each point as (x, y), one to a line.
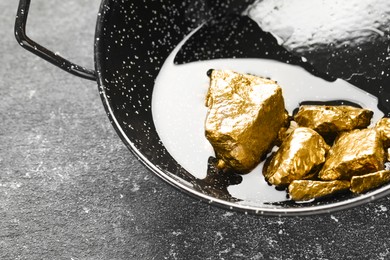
(322, 149)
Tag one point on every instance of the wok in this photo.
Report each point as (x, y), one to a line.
(151, 61)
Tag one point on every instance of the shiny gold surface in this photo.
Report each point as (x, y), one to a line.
(285, 131)
(303, 190)
(332, 119)
(366, 182)
(354, 153)
(383, 127)
(297, 158)
(244, 117)
(387, 154)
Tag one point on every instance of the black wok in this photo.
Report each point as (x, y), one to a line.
(134, 39)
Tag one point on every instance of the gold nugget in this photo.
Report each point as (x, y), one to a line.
(303, 190)
(354, 153)
(297, 158)
(328, 120)
(363, 183)
(244, 117)
(383, 127)
(387, 154)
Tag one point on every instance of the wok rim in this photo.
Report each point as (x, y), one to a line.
(181, 186)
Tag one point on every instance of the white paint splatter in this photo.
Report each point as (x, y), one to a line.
(228, 214)
(31, 94)
(135, 187)
(382, 208)
(334, 218)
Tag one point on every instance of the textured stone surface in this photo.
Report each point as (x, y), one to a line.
(69, 188)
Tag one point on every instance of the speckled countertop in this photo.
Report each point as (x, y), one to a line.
(69, 188)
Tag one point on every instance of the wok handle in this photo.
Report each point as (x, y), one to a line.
(39, 50)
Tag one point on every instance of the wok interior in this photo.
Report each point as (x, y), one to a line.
(134, 40)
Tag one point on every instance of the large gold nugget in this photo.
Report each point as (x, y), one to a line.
(297, 158)
(244, 117)
(332, 119)
(354, 153)
(383, 127)
(303, 190)
(363, 183)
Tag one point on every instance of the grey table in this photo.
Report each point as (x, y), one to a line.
(69, 188)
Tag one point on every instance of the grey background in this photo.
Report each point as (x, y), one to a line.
(69, 188)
